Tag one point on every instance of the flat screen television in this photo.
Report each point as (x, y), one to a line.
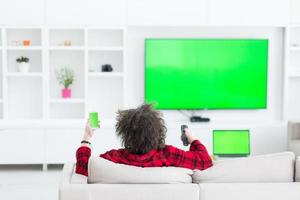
(231, 142)
(206, 73)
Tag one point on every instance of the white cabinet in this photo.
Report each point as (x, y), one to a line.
(21, 146)
(292, 74)
(29, 12)
(248, 12)
(167, 12)
(61, 145)
(88, 12)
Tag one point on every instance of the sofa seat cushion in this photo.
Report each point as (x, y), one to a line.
(249, 191)
(104, 171)
(130, 192)
(277, 167)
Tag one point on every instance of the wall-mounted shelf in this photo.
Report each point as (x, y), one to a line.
(71, 100)
(105, 74)
(67, 48)
(24, 48)
(105, 48)
(28, 74)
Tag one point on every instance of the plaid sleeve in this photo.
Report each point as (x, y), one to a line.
(196, 158)
(82, 158)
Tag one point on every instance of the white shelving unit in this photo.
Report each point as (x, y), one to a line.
(31, 106)
(36, 95)
(292, 73)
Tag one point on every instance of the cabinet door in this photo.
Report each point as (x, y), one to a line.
(167, 12)
(61, 145)
(248, 12)
(29, 12)
(22, 146)
(88, 12)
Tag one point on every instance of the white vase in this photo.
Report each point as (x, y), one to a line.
(23, 67)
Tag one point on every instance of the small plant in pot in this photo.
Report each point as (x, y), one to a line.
(23, 64)
(65, 77)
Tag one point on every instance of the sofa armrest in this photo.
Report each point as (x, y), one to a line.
(297, 169)
(71, 184)
(70, 177)
(66, 174)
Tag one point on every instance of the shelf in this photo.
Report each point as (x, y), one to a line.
(24, 48)
(291, 48)
(58, 37)
(24, 98)
(294, 72)
(105, 74)
(35, 57)
(68, 48)
(294, 99)
(106, 48)
(67, 111)
(294, 25)
(105, 37)
(98, 58)
(20, 74)
(295, 76)
(66, 100)
(73, 60)
(18, 35)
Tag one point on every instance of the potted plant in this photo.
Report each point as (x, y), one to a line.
(23, 64)
(65, 77)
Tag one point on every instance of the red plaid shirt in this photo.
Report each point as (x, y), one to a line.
(196, 158)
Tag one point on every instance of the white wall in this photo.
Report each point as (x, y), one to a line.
(253, 12)
(145, 12)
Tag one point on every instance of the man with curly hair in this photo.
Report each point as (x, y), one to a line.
(143, 132)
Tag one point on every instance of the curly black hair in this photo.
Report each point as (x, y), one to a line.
(141, 129)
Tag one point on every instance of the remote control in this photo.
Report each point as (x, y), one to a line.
(183, 136)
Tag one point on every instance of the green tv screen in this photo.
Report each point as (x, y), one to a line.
(231, 142)
(206, 73)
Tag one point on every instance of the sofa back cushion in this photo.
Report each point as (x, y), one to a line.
(104, 171)
(277, 167)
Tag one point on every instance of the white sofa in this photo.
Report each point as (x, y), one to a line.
(259, 177)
